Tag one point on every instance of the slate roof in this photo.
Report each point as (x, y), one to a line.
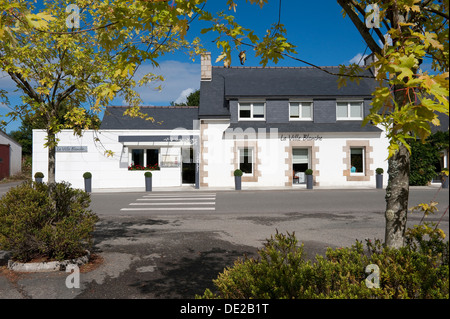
(305, 127)
(241, 82)
(165, 118)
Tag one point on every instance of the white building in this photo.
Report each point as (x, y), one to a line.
(10, 156)
(272, 123)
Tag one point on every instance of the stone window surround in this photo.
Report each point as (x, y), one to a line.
(314, 160)
(256, 160)
(365, 144)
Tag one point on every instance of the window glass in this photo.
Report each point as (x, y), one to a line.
(300, 156)
(245, 110)
(152, 157)
(246, 161)
(356, 160)
(342, 109)
(258, 110)
(306, 110)
(356, 109)
(294, 110)
(137, 157)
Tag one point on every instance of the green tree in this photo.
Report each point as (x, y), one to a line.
(426, 157)
(24, 136)
(192, 99)
(50, 64)
(407, 100)
(60, 67)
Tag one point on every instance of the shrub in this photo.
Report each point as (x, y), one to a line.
(39, 175)
(148, 174)
(282, 271)
(87, 175)
(379, 171)
(425, 158)
(309, 171)
(40, 220)
(238, 172)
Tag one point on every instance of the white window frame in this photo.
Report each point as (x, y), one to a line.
(300, 111)
(363, 173)
(251, 118)
(144, 159)
(241, 149)
(349, 118)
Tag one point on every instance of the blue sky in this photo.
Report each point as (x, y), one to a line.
(322, 36)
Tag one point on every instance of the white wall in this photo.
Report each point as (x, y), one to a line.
(272, 155)
(107, 172)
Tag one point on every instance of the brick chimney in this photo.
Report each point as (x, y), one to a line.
(206, 67)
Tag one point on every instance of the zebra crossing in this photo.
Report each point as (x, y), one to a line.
(174, 202)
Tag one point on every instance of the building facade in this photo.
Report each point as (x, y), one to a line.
(272, 123)
(275, 123)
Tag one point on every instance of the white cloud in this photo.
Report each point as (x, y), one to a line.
(180, 79)
(183, 95)
(358, 59)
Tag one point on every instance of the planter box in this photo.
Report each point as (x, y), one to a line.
(148, 184)
(379, 180)
(238, 183)
(309, 182)
(88, 185)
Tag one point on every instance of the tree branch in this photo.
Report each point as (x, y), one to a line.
(439, 13)
(360, 26)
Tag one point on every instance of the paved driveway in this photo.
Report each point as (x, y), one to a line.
(154, 252)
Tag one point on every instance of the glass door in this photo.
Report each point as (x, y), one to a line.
(300, 163)
(188, 166)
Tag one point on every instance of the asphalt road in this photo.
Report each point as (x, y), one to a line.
(173, 244)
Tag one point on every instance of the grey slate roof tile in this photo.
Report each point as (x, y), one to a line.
(165, 118)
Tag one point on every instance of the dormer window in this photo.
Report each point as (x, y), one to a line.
(352, 110)
(252, 110)
(300, 111)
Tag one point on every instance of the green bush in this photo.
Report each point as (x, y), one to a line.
(238, 172)
(309, 171)
(46, 220)
(379, 171)
(425, 158)
(87, 175)
(38, 175)
(282, 271)
(148, 174)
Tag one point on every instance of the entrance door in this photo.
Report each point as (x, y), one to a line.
(188, 166)
(4, 161)
(300, 163)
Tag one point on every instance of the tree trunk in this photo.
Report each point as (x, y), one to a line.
(397, 194)
(51, 156)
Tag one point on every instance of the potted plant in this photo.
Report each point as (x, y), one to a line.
(148, 181)
(237, 179)
(87, 182)
(379, 177)
(38, 177)
(309, 178)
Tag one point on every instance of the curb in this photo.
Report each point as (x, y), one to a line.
(48, 266)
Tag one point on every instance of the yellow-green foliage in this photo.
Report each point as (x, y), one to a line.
(282, 271)
(52, 220)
